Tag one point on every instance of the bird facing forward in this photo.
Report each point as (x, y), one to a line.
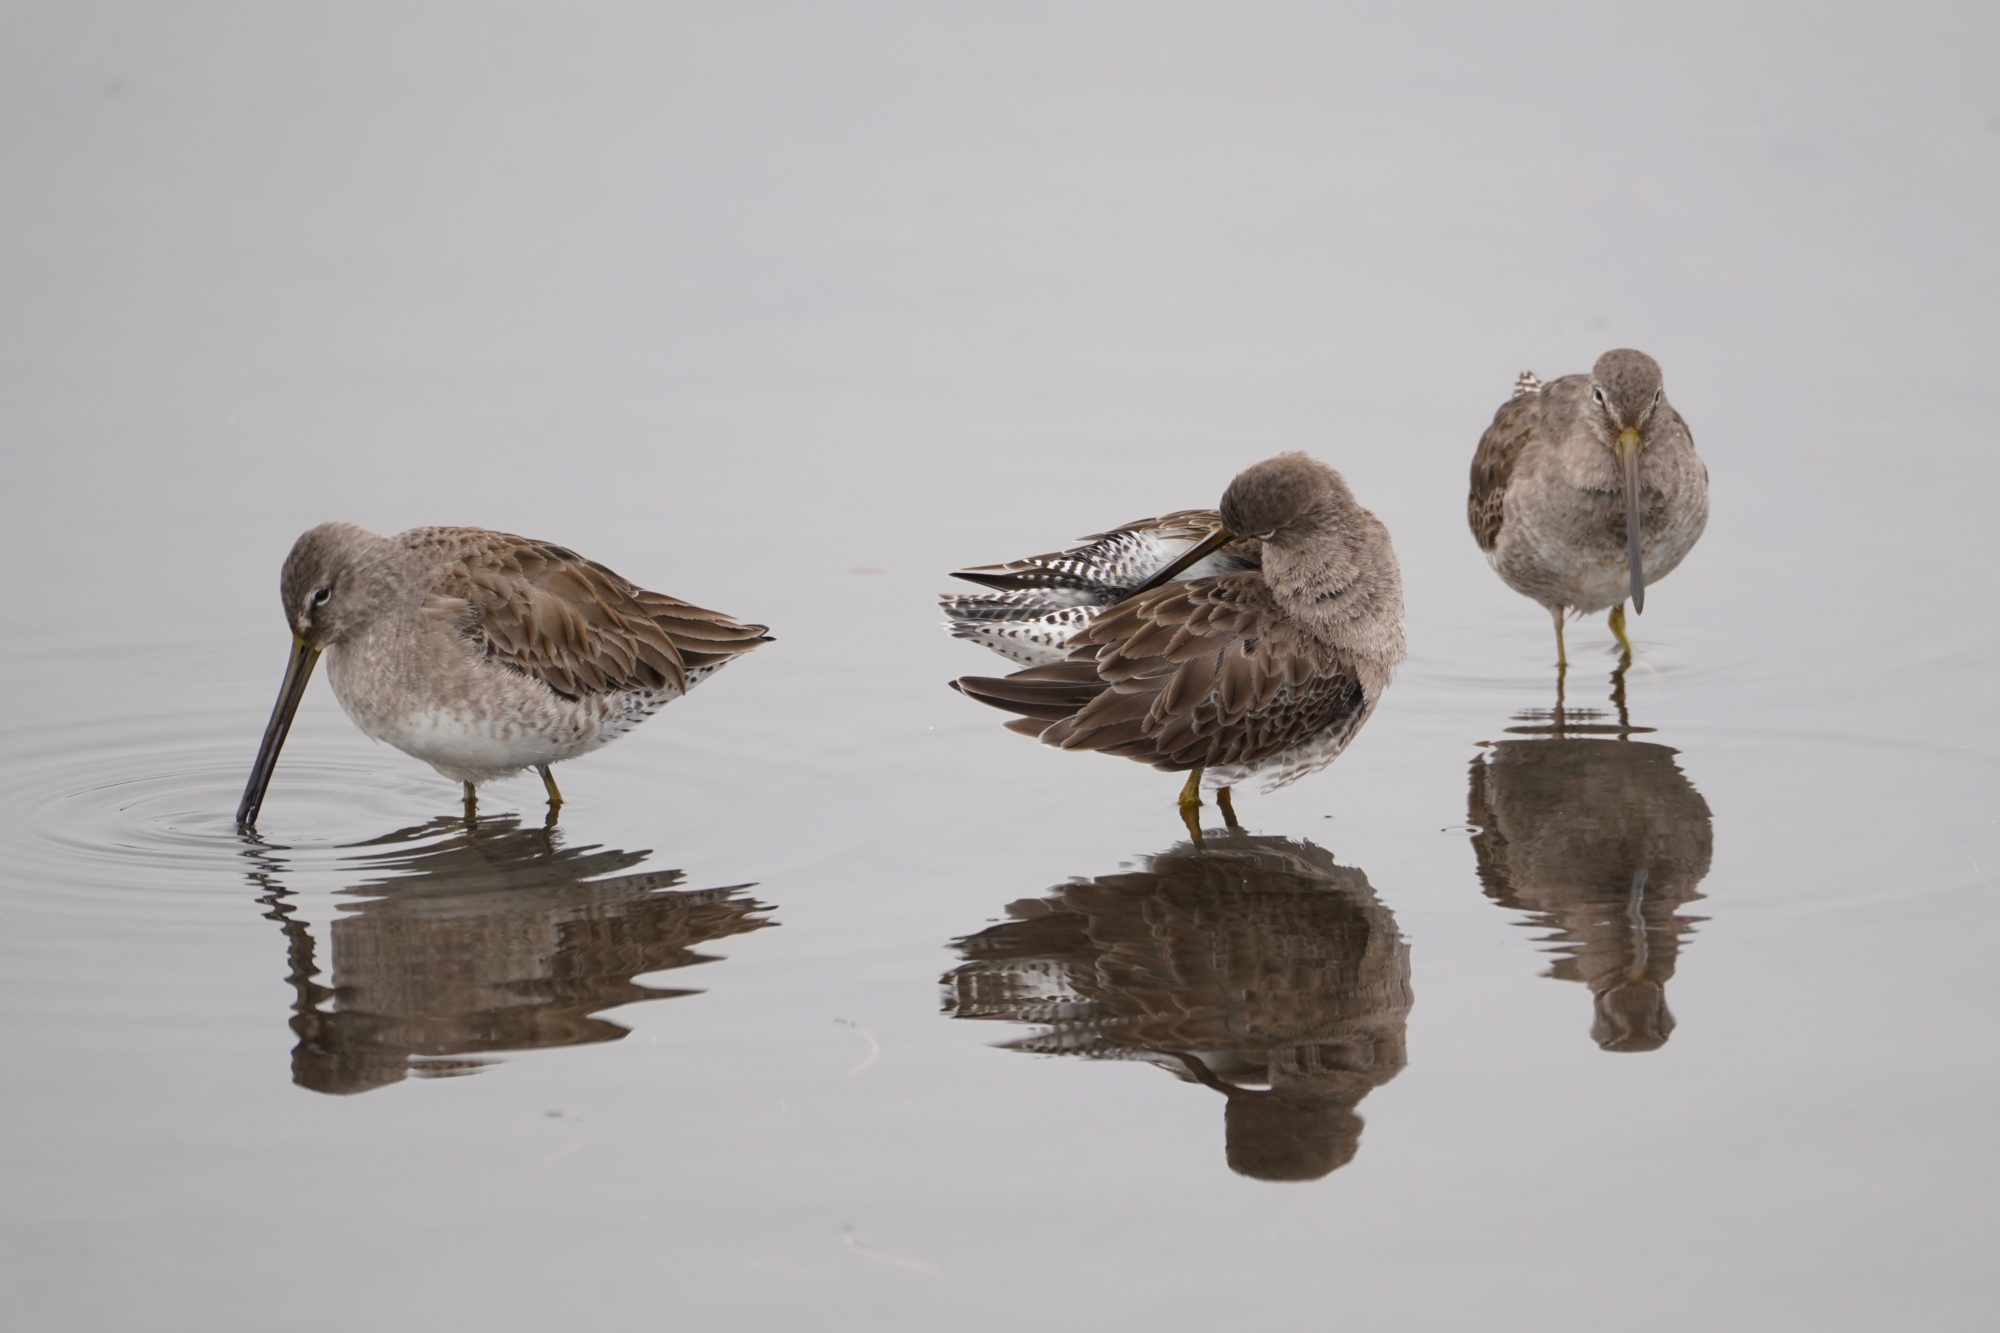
(1586, 489)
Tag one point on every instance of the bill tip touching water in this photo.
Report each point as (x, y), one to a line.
(482, 653)
(1248, 641)
(1586, 490)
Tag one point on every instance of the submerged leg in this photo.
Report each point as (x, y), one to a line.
(1190, 804)
(549, 782)
(471, 803)
(1618, 628)
(1228, 809)
(1562, 659)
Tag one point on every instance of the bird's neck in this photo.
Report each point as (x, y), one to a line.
(1344, 590)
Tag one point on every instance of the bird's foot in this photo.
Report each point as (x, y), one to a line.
(1228, 809)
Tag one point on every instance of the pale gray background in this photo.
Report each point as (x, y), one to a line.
(789, 310)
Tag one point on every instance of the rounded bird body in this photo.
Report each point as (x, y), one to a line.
(483, 653)
(469, 718)
(1587, 490)
(1264, 668)
(1562, 537)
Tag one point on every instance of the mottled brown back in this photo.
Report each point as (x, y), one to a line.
(1187, 675)
(581, 629)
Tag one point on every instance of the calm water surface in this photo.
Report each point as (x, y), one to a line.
(829, 1002)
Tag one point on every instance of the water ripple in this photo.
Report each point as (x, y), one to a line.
(142, 808)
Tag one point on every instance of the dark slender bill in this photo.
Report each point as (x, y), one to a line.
(1213, 542)
(298, 670)
(1635, 500)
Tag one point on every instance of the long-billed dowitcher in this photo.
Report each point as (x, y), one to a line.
(1258, 650)
(1587, 488)
(482, 653)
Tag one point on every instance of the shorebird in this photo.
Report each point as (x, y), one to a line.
(482, 653)
(1248, 641)
(1587, 488)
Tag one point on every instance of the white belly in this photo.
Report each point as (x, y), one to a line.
(467, 747)
(481, 722)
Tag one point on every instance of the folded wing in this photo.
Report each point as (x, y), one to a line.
(1187, 675)
(581, 629)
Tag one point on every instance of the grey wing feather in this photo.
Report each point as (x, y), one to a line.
(1681, 421)
(1514, 425)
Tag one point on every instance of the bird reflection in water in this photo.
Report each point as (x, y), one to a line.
(1600, 839)
(1257, 968)
(472, 939)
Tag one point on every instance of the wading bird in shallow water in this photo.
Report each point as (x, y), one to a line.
(1587, 488)
(1246, 642)
(482, 653)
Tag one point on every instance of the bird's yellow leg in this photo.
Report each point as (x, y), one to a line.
(549, 782)
(471, 803)
(1228, 809)
(1562, 659)
(1190, 804)
(1618, 628)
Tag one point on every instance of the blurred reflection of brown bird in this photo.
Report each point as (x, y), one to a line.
(480, 938)
(1600, 842)
(1258, 968)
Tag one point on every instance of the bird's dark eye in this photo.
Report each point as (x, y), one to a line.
(320, 596)
(1598, 394)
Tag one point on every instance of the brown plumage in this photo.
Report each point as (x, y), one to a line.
(572, 624)
(1265, 671)
(483, 653)
(1587, 489)
(1493, 465)
(1190, 675)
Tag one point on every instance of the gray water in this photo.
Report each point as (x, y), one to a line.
(829, 1002)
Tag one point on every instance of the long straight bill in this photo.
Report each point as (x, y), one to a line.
(298, 670)
(1635, 504)
(1194, 555)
